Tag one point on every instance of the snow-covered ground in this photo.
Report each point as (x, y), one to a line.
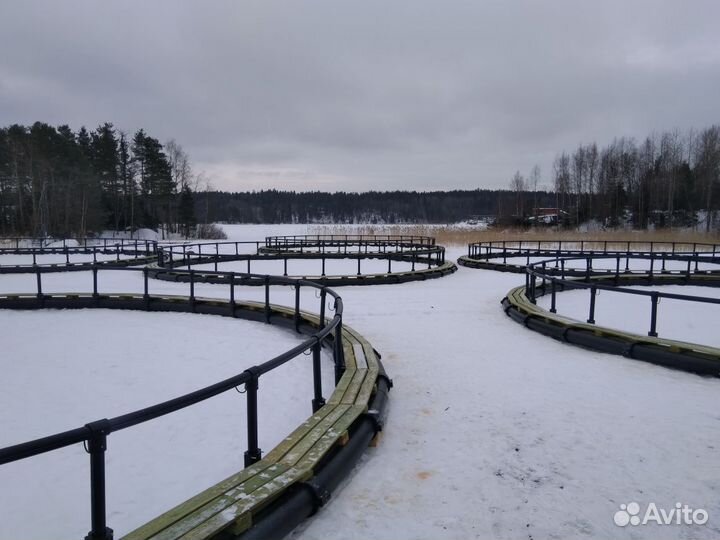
(494, 431)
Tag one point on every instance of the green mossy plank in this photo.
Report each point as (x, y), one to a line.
(341, 387)
(236, 514)
(367, 388)
(354, 387)
(330, 437)
(180, 511)
(313, 436)
(248, 492)
(296, 436)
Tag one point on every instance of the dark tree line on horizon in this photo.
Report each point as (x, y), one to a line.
(57, 182)
(663, 180)
(273, 206)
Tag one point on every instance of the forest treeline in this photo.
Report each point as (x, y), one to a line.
(60, 182)
(274, 206)
(662, 180)
(54, 181)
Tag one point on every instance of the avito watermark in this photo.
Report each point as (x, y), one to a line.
(680, 514)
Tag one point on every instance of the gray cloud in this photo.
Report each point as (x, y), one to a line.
(364, 95)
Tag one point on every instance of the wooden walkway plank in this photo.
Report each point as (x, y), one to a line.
(237, 514)
(299, 450)
(331, 437)
(179, 512)
(297, 435)
(242, 492)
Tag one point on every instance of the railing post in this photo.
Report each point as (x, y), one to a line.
(232, 294)
(533, 286)
(552, 296)
(267, 299)
(40, 296)
(338, 353)
(97, 445)
(95, 281)
(653, 315)
(253, 453)
(318, 399)
(323, 296)
(358, 270)
(591, 316)
(527, 282)
(652, 268)
(297, 308)
(146, 291)
(192, 290)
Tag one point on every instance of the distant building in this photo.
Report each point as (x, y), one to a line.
(548, 216)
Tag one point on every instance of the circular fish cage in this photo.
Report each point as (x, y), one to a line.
(27, 255)
(613, 274)
(276, 490)
(366, 260)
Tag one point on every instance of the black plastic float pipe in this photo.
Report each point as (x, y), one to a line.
(305, 499)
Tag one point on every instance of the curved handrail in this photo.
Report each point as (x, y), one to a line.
(487, 254)
(553, 279)
(310, 239)
(67, 438)
(175, 261)
(82, 243)
(475, 249)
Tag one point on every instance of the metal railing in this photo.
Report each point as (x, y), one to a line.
(94, 435)
(183, 256)
(60, 245)
(320, 240)
(518, 248)
(553, 278)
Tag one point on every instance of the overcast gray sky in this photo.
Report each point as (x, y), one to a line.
(337, 95)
